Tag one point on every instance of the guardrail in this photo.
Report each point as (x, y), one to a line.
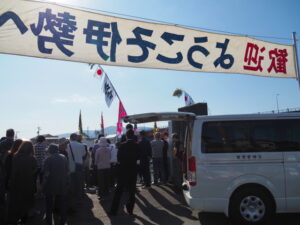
(288, 110)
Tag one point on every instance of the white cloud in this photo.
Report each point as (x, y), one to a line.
(74, 99)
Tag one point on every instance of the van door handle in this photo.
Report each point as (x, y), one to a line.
(239, 157)
(248, 156)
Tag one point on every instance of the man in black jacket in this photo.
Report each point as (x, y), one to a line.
(5, 145)
(145, 155)
(165, 155)
(55, 183)
(128, 155)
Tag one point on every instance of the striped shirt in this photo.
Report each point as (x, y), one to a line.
(40, 154)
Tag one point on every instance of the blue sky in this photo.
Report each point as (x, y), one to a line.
(49, 93)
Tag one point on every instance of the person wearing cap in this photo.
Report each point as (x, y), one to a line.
(127, 127)
(55, 183)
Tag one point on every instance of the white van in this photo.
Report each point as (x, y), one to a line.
(245, 166)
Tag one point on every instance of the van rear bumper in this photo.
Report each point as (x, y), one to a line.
(217, 205)
(194, 203)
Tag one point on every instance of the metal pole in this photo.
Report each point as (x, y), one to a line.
(277, 102)
(296, 58)
(38, 131)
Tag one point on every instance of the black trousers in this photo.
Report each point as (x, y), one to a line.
(126, 179)
(145, 169)
(103, 181)
(166, 167)
(113, 174)
(2, 197)
(60, 201)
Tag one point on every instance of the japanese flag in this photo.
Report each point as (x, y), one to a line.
(99, 72)
(188, 99)
(109, 91)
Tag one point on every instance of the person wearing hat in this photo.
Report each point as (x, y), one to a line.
(128, 127)
(55, 183)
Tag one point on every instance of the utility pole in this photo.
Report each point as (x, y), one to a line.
(38, 131)
(277, 102)
(16, 136)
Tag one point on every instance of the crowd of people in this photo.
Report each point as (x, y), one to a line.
(60, 174)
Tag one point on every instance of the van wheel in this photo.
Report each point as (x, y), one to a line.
(251, 206)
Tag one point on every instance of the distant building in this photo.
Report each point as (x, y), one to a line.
(51, 139)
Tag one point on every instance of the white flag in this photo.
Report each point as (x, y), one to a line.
(188, 99)
(108, 90)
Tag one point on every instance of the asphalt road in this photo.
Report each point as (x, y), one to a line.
(158, 205)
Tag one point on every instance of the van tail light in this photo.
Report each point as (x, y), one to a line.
(192, 171)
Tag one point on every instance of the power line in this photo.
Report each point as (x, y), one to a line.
(168, 23)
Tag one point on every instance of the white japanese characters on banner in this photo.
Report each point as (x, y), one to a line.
(52, 31)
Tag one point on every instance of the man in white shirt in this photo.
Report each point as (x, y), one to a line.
(102, 161)
(76, 155)
(113, 164)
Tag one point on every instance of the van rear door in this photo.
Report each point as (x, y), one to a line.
(163, 116)
(169, 116)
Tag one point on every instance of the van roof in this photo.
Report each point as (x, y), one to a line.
(183, 116)
(161, 116)
(250, 116)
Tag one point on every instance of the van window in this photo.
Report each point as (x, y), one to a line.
(290, 135)
(264, 135)
(251, 136)
(225, 137)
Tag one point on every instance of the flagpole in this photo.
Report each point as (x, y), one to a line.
(80, 124)
(296, 58)
(102, 123)
(114, 90)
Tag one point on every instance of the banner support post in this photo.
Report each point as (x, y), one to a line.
(296, 58)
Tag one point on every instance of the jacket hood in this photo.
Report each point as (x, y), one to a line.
(103, 142)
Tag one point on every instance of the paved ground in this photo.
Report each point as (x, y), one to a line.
(158, 205)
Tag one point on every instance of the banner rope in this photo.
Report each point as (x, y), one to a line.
(164, 22)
